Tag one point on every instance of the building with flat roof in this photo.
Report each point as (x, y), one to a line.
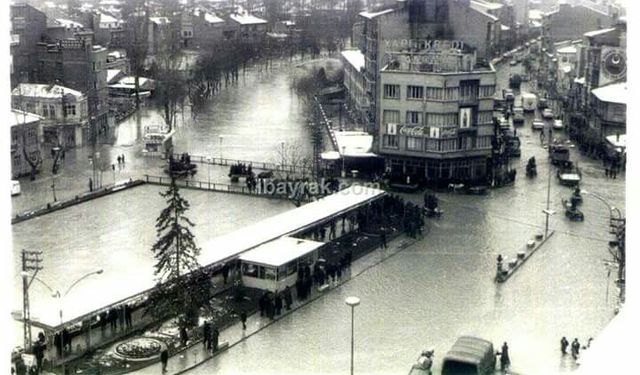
(436, 115)
(355, 82)
(610, 110)
(568, 22)
(28, 27)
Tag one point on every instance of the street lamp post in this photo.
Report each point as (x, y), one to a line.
(353, 302)
(220, 138)
(343, 173)
(209, 161)
(60, 296)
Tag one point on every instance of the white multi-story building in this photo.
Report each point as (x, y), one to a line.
(436, 115)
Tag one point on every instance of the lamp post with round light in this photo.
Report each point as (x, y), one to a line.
(353, 302)
(59, 296)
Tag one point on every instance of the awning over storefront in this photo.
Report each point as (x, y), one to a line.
(281, 251)
(355, 144)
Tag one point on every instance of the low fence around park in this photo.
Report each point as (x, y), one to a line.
(260, 165)
(214, 186)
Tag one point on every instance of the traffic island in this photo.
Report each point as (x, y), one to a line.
(503, 272)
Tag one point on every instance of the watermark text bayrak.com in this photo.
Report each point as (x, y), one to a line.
(311, 188)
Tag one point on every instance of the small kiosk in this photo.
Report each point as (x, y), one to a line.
(274, 265)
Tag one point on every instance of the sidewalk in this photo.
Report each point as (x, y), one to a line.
(197, 355)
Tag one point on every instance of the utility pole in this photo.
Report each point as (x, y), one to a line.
(30, 262)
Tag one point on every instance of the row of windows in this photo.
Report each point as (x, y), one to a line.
(439, 93)
(390, 116)
(49, 110)
(439, 145)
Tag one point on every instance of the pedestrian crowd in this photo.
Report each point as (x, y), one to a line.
(574, 347)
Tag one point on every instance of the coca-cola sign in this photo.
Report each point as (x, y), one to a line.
(413, 131)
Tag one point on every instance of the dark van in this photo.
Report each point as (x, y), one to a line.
(470, 356)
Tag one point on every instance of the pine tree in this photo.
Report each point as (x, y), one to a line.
(183, 287)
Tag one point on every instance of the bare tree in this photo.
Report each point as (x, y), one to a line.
(295, 161)
(168, 70)
(137, 29)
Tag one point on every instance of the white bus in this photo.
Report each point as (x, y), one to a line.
(529, 101)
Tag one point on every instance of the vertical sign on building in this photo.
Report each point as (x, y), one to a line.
(464, 117)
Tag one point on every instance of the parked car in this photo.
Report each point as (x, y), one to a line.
(557, 124)
(15, 187)
(509, 96)
(470, 355)
(537, 124)
(542, 103)
(518, 115)
(513, 62)
(547, 113)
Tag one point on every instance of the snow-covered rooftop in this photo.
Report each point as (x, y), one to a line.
(535, 15)
(354, 57)
(69, 24)
(598, 32)
(247, 19)
(21, 117)
(354, 144)
(372, 15)
(39, 90)
(485, 5)
(614, 93)
(216, 250)
(160, 20)
(280, 251)
(567, 49)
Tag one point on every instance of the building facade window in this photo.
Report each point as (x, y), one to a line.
(415, 92)
(450, 93)
(31, 107)
(45, 110)
(14, 136)
(391, 91)
(414, 117)
(16, 159)
(487, 91)
(52, 110)
(70, 109)
(434, 93)
(390, 116)
(390, 141)
(414, 143)
(442, 119)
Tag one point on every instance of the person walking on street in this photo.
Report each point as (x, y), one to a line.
(278, 303)
(575, 348)
(215, 335)
(564, 344)
(225, 273)
(243, 319)
(164, 358)
(122, 158)
(505, 361)
(288, 298)
(184, 337)
(383, 238)
(206, 335)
